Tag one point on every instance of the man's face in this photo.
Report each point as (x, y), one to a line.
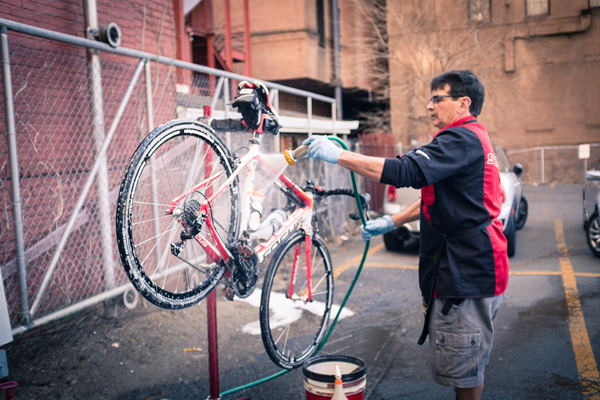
(443, 110)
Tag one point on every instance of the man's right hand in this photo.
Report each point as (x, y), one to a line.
(321, 148)
(376, 227)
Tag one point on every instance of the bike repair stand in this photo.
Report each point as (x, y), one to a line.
(213, 348)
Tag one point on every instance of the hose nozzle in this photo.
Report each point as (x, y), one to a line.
(291, 156)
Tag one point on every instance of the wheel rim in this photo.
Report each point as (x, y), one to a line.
(296, 326)
(173, 163)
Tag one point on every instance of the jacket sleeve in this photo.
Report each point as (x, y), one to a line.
(402, 171)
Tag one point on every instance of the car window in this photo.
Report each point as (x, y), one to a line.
(503, 162)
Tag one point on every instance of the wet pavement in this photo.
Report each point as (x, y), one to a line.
(540, 347)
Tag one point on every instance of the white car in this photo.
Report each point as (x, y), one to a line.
(591, 205)
(514, 205)
(513, 214)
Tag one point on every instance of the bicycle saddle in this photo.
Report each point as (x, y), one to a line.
(253, 103)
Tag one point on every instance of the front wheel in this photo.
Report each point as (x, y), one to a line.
(171, 176)
(292, 327)
(593, 234)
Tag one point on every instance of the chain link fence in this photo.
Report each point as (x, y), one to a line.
(554, 164)
(66, 109)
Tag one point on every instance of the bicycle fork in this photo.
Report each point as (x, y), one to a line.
(307, 255)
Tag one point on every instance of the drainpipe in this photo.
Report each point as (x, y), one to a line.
(229, 56)
(248, 58)
(337, 76)
(558, 26)
(104, 214)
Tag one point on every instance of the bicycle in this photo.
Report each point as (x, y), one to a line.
(185, 223)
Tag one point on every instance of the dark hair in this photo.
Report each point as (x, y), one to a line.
(462, 83)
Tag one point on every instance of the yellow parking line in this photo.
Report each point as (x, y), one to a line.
(394, 266)
(516, 273)
(534, 273)
(588, 274)
(586, 363)
(355, 261)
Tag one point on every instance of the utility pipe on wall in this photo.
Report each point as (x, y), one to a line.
(337, 74)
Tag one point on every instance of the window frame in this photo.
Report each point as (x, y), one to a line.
(320, 19)
(471, 3)
(528, 15)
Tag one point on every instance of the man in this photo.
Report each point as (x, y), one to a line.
(463, 265)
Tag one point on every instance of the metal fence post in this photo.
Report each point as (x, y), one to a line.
(14, 176)
(86, 187)
(543, 165)
(104, 214)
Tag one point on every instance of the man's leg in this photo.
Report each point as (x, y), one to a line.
(460, 343)
(469, 393)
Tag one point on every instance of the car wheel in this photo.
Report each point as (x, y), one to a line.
(393, 241)
(522, 212)
(511, 236)
(593, 234)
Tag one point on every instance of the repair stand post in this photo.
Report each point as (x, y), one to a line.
(213, 351)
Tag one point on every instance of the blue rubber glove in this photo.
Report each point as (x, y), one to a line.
(376, 227)
(321, 148)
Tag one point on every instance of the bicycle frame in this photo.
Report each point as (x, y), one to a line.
(300, 219)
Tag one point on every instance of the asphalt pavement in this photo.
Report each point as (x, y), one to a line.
(547, 342)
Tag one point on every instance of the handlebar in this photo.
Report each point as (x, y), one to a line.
(229, 125)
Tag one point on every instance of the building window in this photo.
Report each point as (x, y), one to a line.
(321, 23)
(537, 7)
(479, 10)
(594, 3)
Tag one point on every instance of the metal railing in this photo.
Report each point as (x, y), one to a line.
(554, 164)
(57, 253)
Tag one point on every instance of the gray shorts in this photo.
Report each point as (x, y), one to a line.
(460, 342)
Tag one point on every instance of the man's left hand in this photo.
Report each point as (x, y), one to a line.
(321, 148)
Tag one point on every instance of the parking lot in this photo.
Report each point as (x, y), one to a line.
(546, 347)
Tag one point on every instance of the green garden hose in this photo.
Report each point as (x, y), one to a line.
(333, 323)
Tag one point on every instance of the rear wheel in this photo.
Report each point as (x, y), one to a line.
(593, 234)
(151, 219)
(292, 327)
(511, 236)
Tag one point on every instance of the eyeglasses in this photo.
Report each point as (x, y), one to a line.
(436, 99)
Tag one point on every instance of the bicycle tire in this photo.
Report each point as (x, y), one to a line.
(292, 330)
(166, 164)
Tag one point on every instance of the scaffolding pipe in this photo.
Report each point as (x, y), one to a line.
(98, 132)
(14, 176)
(85, 190)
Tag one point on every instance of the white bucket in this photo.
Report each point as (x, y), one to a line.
(319, 377)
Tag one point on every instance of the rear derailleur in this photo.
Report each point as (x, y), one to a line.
(243, 271)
